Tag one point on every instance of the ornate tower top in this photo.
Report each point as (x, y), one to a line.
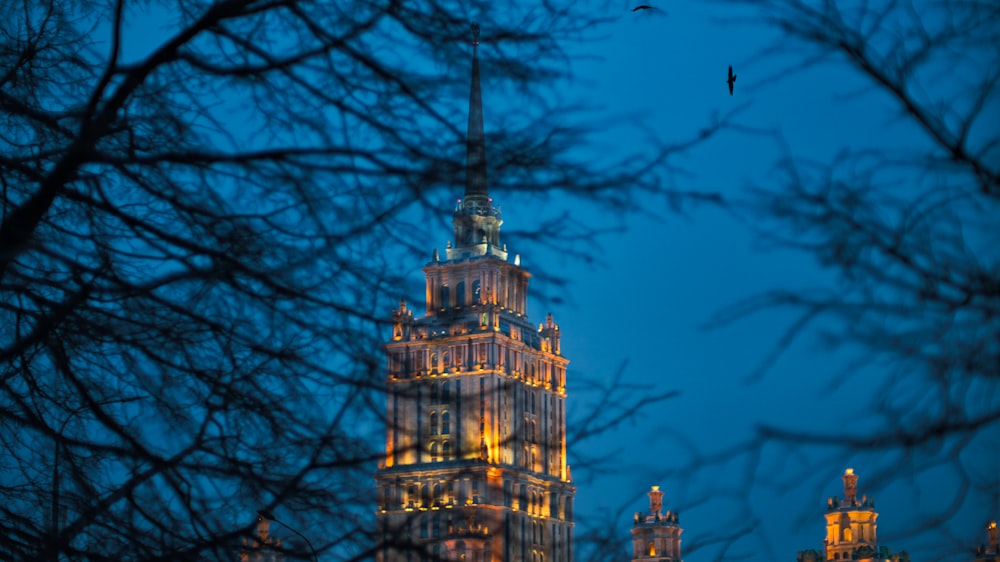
(655, 500)
(850, 486)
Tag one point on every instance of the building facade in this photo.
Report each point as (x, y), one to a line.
(851, 529)
(475, 454)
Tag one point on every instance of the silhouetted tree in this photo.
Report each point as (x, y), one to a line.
(207, 210)
(910, 233)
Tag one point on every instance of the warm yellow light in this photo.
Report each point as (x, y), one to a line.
(849, 471)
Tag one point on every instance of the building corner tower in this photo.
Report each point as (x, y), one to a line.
(475, 455)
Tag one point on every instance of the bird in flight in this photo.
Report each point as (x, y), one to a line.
(642, 7)
(731, 80)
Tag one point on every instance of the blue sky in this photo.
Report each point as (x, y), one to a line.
(654, 285)
(660, 282)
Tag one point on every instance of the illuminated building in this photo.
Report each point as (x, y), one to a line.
(264, 547)
(851, 529)
(475, 454)
(990, 553)
(656, 537)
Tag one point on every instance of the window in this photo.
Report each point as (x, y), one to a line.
(434, 423)
(476, 293)
(446, 450)
(434, 393)
(445, 423)
(434, 451)
(444, 297)
(445, 393)
(460, 294)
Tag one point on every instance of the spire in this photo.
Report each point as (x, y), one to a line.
(476, 191)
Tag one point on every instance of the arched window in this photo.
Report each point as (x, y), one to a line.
(437, 493)
(434, 363)
(445, 423)
(460, 294)
(445, 294)
(434, 423)
(476, 292)
(446, 360)
(446, 450)
(652, 549)
(445, 393)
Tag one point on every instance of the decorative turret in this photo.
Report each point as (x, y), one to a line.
(656, 537)
(402, 321)
(550, 335)
(990, 553)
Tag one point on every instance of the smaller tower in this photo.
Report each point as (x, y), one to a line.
(850, 529)
(990, 553)
(656, 537)
(850, 523)
(264, 547)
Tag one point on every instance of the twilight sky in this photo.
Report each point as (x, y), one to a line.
(655, 286)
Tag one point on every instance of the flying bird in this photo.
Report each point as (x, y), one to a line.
(642, 7)
(732, 79)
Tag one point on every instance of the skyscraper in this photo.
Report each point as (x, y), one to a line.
(475, 455)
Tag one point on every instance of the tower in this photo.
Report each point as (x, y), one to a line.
(475, 455)
(991, 552)
(656, 537)
(850, 529)
(850, 523)
(264, 547)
